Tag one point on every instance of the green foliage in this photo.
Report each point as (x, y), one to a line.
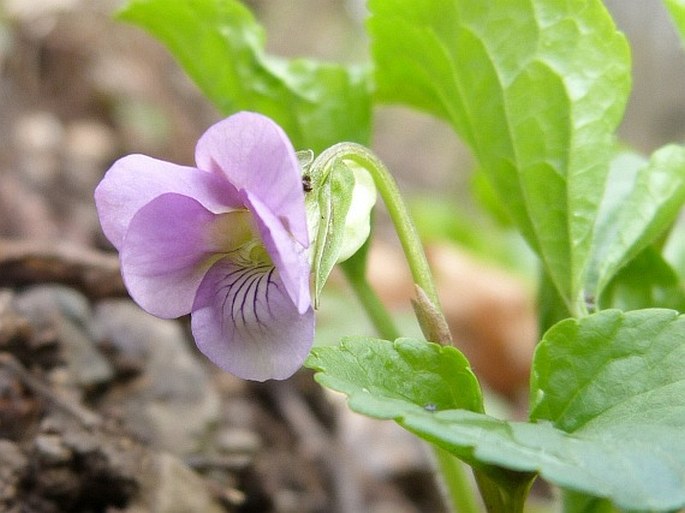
(383, 377)
(641, 199)
(575, 502)
(221, 47)
(619, 377)
(647, 280)
(673, 249)
(608, 404)
(603, 363)
(536, 88)
(677, 10)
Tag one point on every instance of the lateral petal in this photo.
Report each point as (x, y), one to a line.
(166, 253)
(134, 180)
(290, 258)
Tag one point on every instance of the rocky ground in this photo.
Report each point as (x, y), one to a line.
(105, 408)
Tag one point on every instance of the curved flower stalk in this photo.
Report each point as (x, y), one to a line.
(225, 241)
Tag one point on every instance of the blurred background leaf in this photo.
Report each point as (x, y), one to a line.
(221, 47)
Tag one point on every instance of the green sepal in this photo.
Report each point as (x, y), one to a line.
(339, 199)
(330, 204)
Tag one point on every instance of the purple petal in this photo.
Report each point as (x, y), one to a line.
(166, 253)
(136, 179)
(245, 323)
(255, 155)
(289, 257)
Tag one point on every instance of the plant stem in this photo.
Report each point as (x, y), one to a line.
(510, 498)
(397, 209)
(458, 489)
(380, 318)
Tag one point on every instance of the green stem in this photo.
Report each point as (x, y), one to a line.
(397, 209)
(459, 491)
(507, 498)
(459, 488)
(379, 315)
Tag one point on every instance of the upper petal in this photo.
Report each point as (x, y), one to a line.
(245, 323)
(255, 155)
(166, 253)
(134, 180)
(288, 255)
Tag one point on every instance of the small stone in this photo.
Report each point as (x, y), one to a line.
(12, 458)
(236, 440)
(51, 450)
(38, 132)
(14, 465)
(172, 487)
(38, 138)
(84, 361)
(42, 303)
(12, 325)
(89, 147)
(66, 313)
(172, 403)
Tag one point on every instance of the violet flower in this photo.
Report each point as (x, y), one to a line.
(225, 241)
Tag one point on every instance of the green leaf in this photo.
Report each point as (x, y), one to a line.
(221, 47)
(641, 199)
(601, 363)
(535, 87)
(647, 281)
(383, 377)
(674, 248)
(551, 306)
(575, 502)
(677, 10)
(608, 404)
(486, 196)
(619, 379)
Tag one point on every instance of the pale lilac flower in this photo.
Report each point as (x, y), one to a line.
(225, 241)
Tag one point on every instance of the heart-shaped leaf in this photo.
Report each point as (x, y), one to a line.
(608, 407)
(375, 373)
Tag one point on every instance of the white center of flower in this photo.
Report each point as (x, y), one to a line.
(235, 235)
